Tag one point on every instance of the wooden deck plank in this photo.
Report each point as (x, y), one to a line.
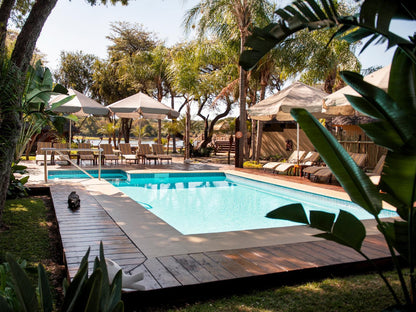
(307, 252)
(177, 270)
(115, 257)
(91, 230)
(334, 251)
(345, 251)
(293, 259)
(259, 258)
(160, 273)
(85, 244)
(148, 281)
(197, 270)
(211, 266)
(282, 263)
(236, 268)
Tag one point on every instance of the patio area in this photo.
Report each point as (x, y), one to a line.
(180, 266)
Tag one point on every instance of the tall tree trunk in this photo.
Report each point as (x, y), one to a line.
(187, 131)
(159, 121)
(259, 138)
(172, 104)
(125, 128)
(241, 142)
(11, 119)
(330, 81)
(253, 100)
(5, 9)
(159, 131)
(26, 41)
(253, 139)
(260, 125)
(11, 87)
(210, 132)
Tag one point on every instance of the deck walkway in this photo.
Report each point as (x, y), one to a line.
(185, 274)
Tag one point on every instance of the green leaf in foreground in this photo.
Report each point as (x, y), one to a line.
(292, 212)
(347, 231)
(23, 286)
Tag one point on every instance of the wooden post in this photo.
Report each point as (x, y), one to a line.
(45, 166)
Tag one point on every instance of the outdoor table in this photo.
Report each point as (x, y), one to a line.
(59, 150)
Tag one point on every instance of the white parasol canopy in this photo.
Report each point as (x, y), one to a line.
(336, 104)
(81, 106)
(278, 106)
(141, 105)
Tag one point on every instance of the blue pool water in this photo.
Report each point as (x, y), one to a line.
(197, 203)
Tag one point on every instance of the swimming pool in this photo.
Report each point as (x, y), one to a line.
(199, 203)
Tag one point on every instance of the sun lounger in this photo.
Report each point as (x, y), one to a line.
(108, 153)
(379, 167)
(271, 165)
(375, 175)
(158, 150)
(127, 154)
(310, 159)
(146, 153)
(322, 175)
(40, 155)
(292, 160)
(85, 155)
(325, 175)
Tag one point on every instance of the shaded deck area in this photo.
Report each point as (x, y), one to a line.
(183, 275)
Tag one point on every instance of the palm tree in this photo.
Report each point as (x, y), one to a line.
(109, 130)
(231, 20)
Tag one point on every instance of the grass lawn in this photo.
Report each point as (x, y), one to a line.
(31, 237)
(28, 236)
(364, 293)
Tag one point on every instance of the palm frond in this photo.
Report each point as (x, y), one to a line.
(373, 23)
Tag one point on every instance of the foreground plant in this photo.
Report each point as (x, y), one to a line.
(394, 129)
(83, 293)
(17, 186)
(36, 112)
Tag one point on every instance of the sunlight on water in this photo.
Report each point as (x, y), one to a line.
(196, 204)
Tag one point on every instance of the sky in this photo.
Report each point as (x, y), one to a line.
(76, 26)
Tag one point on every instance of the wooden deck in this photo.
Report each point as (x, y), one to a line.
(185, 275)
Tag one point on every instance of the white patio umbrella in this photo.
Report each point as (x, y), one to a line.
(278, 106)
(80, 106)
(336, 104)
(141, 105)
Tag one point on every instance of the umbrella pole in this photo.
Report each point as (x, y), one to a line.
(297, 142)
(70, 134)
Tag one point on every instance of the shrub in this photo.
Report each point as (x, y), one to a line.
(252, 165)
(17, 186)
